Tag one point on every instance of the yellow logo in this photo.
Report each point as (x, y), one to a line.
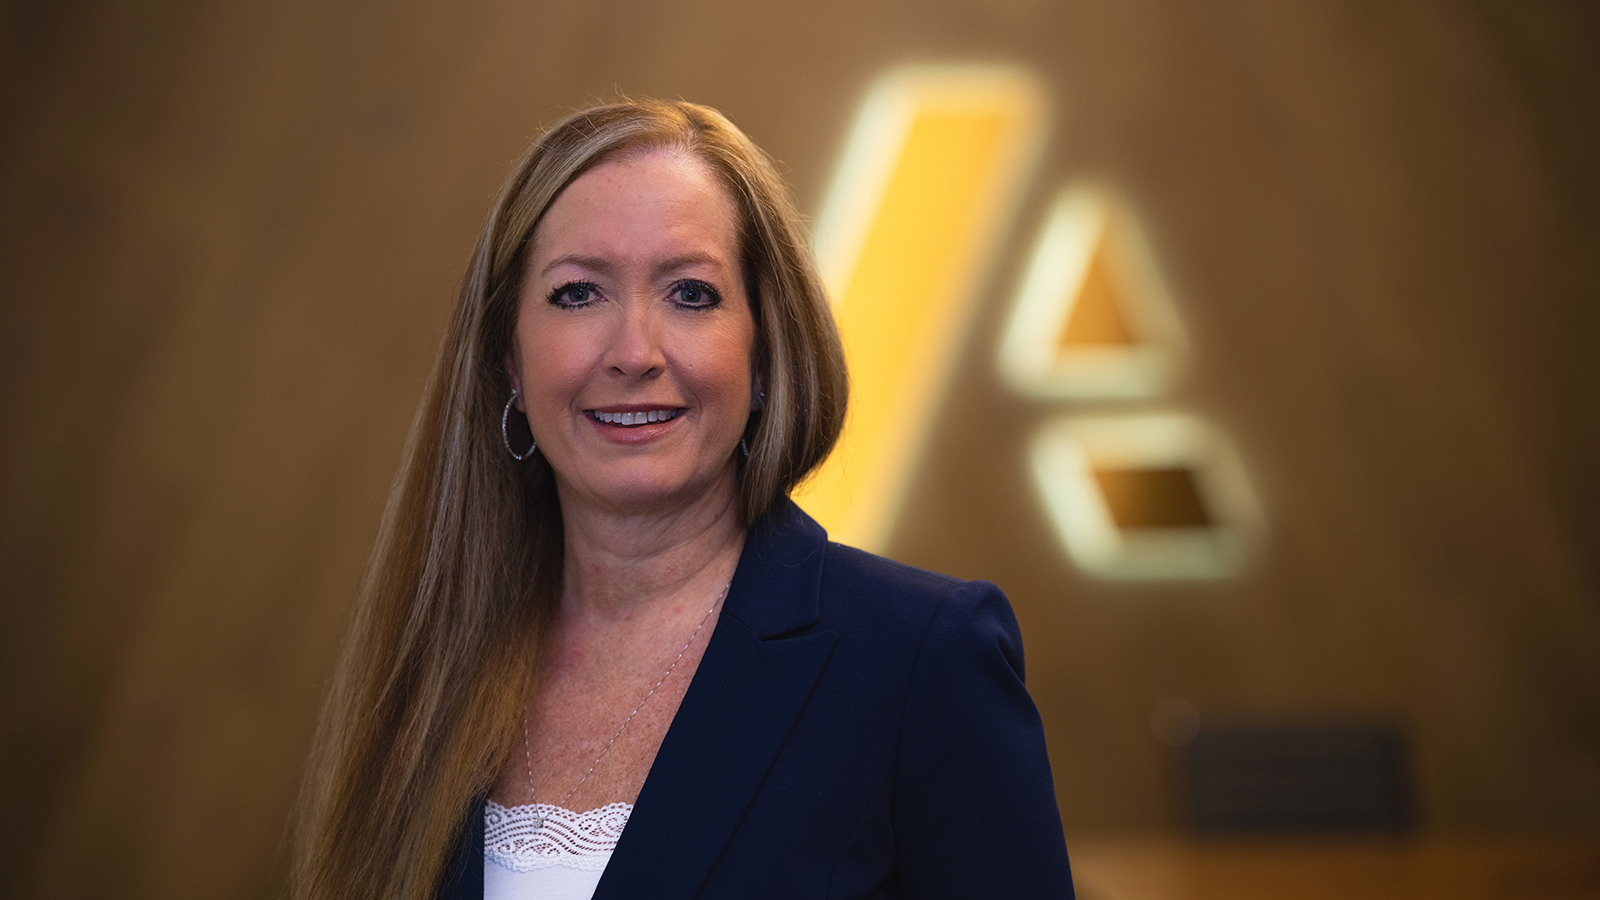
(929, 183)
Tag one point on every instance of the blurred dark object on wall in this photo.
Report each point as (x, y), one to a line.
(1298, 779)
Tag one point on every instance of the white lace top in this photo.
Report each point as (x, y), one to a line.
(560, 858)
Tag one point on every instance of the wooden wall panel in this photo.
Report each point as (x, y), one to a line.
(229, 235)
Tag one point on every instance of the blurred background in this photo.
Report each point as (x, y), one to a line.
(230, 235)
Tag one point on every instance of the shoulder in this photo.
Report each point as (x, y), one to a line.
(950, 653)
(939, 614)
(791, 579)
(849, 570)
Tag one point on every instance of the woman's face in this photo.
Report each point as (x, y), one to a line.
(634, 336)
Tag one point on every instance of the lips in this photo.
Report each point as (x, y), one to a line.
(634, 418)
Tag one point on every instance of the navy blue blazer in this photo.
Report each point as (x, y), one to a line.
(857, 729)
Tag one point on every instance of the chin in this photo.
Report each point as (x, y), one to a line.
(662, 491)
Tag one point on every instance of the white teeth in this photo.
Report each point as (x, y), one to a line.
(636, 418)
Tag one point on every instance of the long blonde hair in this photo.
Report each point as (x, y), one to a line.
(429, 691)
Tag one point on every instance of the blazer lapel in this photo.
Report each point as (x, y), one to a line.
(749, 688)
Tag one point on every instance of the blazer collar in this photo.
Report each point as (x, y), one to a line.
(774, 589)
(752, 682)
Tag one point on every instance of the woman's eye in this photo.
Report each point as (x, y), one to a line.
(696, 294)
(577, 293)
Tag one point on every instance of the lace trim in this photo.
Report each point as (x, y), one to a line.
(514, 836)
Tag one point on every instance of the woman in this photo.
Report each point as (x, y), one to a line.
(593, 606)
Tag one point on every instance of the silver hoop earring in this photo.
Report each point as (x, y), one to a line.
(505, 438)
(745, 448)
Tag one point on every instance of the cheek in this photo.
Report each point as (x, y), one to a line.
(733, 367)
(549, 358)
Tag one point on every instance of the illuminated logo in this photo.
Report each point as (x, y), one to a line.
(929, 183)
(1143, 494)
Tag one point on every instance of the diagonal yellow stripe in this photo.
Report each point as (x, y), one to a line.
(929, 182)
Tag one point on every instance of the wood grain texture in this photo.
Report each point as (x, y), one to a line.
(230, 234)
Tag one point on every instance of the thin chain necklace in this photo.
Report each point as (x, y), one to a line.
(527, 744)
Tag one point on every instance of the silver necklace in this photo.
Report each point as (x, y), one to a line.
(527, 744)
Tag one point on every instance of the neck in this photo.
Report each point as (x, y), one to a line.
(624, 565)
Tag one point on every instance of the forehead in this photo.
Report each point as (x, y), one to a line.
(655, 204)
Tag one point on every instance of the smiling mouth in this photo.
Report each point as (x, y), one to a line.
(634, 419)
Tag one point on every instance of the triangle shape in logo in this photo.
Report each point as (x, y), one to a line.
(1093, 319)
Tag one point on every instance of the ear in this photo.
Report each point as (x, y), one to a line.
(758, 393)
(514, 374)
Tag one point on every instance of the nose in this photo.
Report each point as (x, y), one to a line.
(635, 350)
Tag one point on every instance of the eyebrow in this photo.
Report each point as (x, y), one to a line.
(605, 267)
(689, 259)
(592, 263)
